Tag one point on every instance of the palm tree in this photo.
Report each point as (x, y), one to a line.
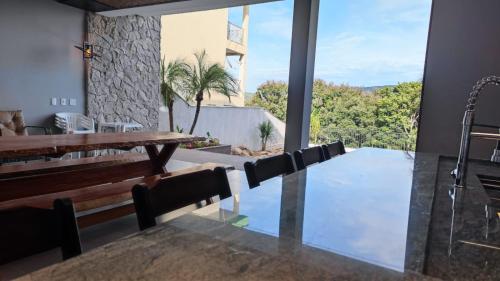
(204, 77)
(266, 131)
(172, 78)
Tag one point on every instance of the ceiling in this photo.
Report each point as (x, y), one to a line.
(154, 7)
(108, 5)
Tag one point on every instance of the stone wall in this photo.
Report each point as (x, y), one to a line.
(124, 81)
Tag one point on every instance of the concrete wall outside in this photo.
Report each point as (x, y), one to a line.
(231, 125)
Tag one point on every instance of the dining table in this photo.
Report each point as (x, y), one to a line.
(159, 146)
(40, 145)
(358, 216)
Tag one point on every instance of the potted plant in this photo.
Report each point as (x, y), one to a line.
(265, 133)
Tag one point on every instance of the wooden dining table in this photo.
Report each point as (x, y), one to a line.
(38, 145)
(90, 173)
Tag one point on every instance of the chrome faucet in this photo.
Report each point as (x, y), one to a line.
(468, 122)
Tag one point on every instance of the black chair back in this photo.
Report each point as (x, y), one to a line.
(176, 192)
(333, 149)
(27, 231)
(308, 156)
(266, 168)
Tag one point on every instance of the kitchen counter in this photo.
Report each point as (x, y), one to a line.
(372, 214)
(463, 243)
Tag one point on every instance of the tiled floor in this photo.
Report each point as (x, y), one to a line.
(102, 234)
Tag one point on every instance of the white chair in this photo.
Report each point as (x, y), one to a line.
(119, 127)
(74, 123)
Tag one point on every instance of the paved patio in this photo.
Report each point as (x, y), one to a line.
(197, 156)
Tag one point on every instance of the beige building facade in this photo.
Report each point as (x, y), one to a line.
(182, 35)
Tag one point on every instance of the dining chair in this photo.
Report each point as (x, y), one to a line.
(176, 192)
(333, 149)
(74, 123)
(28, 231)
(308, 156)
(267, 168)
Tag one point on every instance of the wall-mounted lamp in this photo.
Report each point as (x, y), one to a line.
(88, 50)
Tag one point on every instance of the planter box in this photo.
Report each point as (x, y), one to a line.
(222, 149)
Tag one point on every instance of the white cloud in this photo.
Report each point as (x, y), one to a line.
(366, 42)
(276, 27)
(369, 58)
(392, 11)
(275, 22)
(383, 44)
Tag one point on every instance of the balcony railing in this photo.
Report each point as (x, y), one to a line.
(234, 33)
(357, 138)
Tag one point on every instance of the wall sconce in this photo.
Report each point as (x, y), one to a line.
(88, 50)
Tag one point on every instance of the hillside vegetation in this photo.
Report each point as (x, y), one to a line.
(385, 118)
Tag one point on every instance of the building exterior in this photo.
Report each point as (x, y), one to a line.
(182, 35)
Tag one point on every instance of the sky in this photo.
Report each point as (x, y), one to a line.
(360, 42)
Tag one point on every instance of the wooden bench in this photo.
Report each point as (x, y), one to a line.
(46, 178)
(56, 166)
(99, 203)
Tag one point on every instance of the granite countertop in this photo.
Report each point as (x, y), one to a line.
(194, 248)
(368, 215)
(463, 244)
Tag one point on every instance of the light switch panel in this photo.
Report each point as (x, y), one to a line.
(64, 101)
(72, 102)
(53, 101)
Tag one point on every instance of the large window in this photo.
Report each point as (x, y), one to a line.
(369, 67)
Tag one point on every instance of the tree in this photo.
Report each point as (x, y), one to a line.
(266, 131)
(385, 118)
(204, 77)
(273, 97)
(398, 111)
(172, 78)
(315, 128)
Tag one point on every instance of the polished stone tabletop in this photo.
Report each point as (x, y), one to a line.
(343, 219)
(356, 205)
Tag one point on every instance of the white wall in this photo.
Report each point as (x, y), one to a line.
(231, 125)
